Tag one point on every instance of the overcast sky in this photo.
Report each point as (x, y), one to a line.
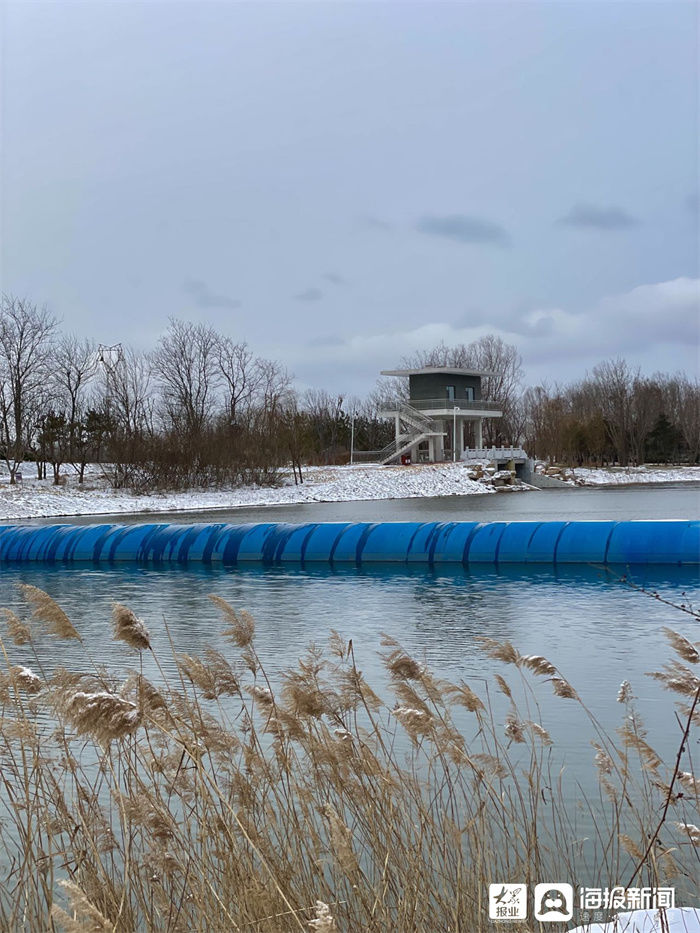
(342, 183)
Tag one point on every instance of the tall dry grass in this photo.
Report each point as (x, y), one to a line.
(217, 799)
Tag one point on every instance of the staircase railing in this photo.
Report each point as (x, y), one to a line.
(419, 425)
(411, 416)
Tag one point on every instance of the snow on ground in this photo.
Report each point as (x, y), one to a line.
(641, 474)
(33, 498)
(678, 920)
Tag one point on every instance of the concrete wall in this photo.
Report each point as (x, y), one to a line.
(527, 475)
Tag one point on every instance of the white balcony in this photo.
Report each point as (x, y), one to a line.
(445, 407)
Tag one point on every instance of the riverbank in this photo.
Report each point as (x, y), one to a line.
(626, 476)
(35, 499)
(41, 499)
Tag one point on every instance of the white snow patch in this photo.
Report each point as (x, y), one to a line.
(678, 920)
(641, 474)
(34, 498)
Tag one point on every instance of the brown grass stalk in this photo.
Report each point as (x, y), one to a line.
(221, 798)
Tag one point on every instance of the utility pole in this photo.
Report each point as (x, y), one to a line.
(110, 358)
(352, 438)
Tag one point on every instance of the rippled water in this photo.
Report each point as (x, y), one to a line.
(597, 630)
(568, 504)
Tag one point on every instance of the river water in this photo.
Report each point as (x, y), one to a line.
(681, 500)
(597, 629)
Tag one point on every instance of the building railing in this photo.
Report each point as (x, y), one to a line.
(493, 453)
(448, 405)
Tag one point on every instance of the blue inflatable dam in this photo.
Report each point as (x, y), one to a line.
(633, 542)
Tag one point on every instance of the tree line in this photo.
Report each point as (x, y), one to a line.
(615, 415)
(201, 409)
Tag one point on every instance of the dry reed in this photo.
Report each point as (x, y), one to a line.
(226, 801)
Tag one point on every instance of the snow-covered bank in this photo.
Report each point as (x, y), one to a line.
(37, 499)
(622, 476)
(676, 920)
(618, 476)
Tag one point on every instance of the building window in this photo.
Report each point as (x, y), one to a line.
(470, 393)
(450, 393)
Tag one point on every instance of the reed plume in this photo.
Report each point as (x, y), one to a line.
(129, 629)
(25, 679)
(87, 918)
(562, 688)
(106, 716)
(683, 647)
(241, 627)
(538, 665)
(691, 831)
(323, 921)
(238, 797)
(18, 631)
(49, 612)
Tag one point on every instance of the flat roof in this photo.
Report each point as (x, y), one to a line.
(447, 370)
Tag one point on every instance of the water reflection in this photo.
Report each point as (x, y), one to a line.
(586, 621)
(594, 628)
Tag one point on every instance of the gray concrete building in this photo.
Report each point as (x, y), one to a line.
(442, 417)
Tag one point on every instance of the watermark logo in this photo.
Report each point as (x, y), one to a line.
(619, 898)
(554, 902)
(507, 901)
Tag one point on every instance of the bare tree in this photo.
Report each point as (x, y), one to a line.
(327, 421)
(492, 355)
(75, 365)
(274, 386)
(186, 365)
(240, 373)
(460, 356)
(126, 420)
(645, 409)
(546, 412)
(26, 335)
(128, 392)
(686, 411)
(613, 380)
(295, 427)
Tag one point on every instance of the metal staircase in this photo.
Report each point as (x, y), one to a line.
(419, 428)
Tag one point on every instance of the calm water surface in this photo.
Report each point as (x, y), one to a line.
(628, 502)
(594, 628)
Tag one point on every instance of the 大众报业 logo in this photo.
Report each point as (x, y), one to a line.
(507, 901)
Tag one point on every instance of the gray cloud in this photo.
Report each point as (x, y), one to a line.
(692, 202)
(310, 294)
(334, 278)
(375, 223)
(203, 297)
(329, 341)
(464, 229)
(653, 325)
(473, 317)
(598, 218)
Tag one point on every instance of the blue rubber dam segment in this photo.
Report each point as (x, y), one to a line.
(576, 542)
